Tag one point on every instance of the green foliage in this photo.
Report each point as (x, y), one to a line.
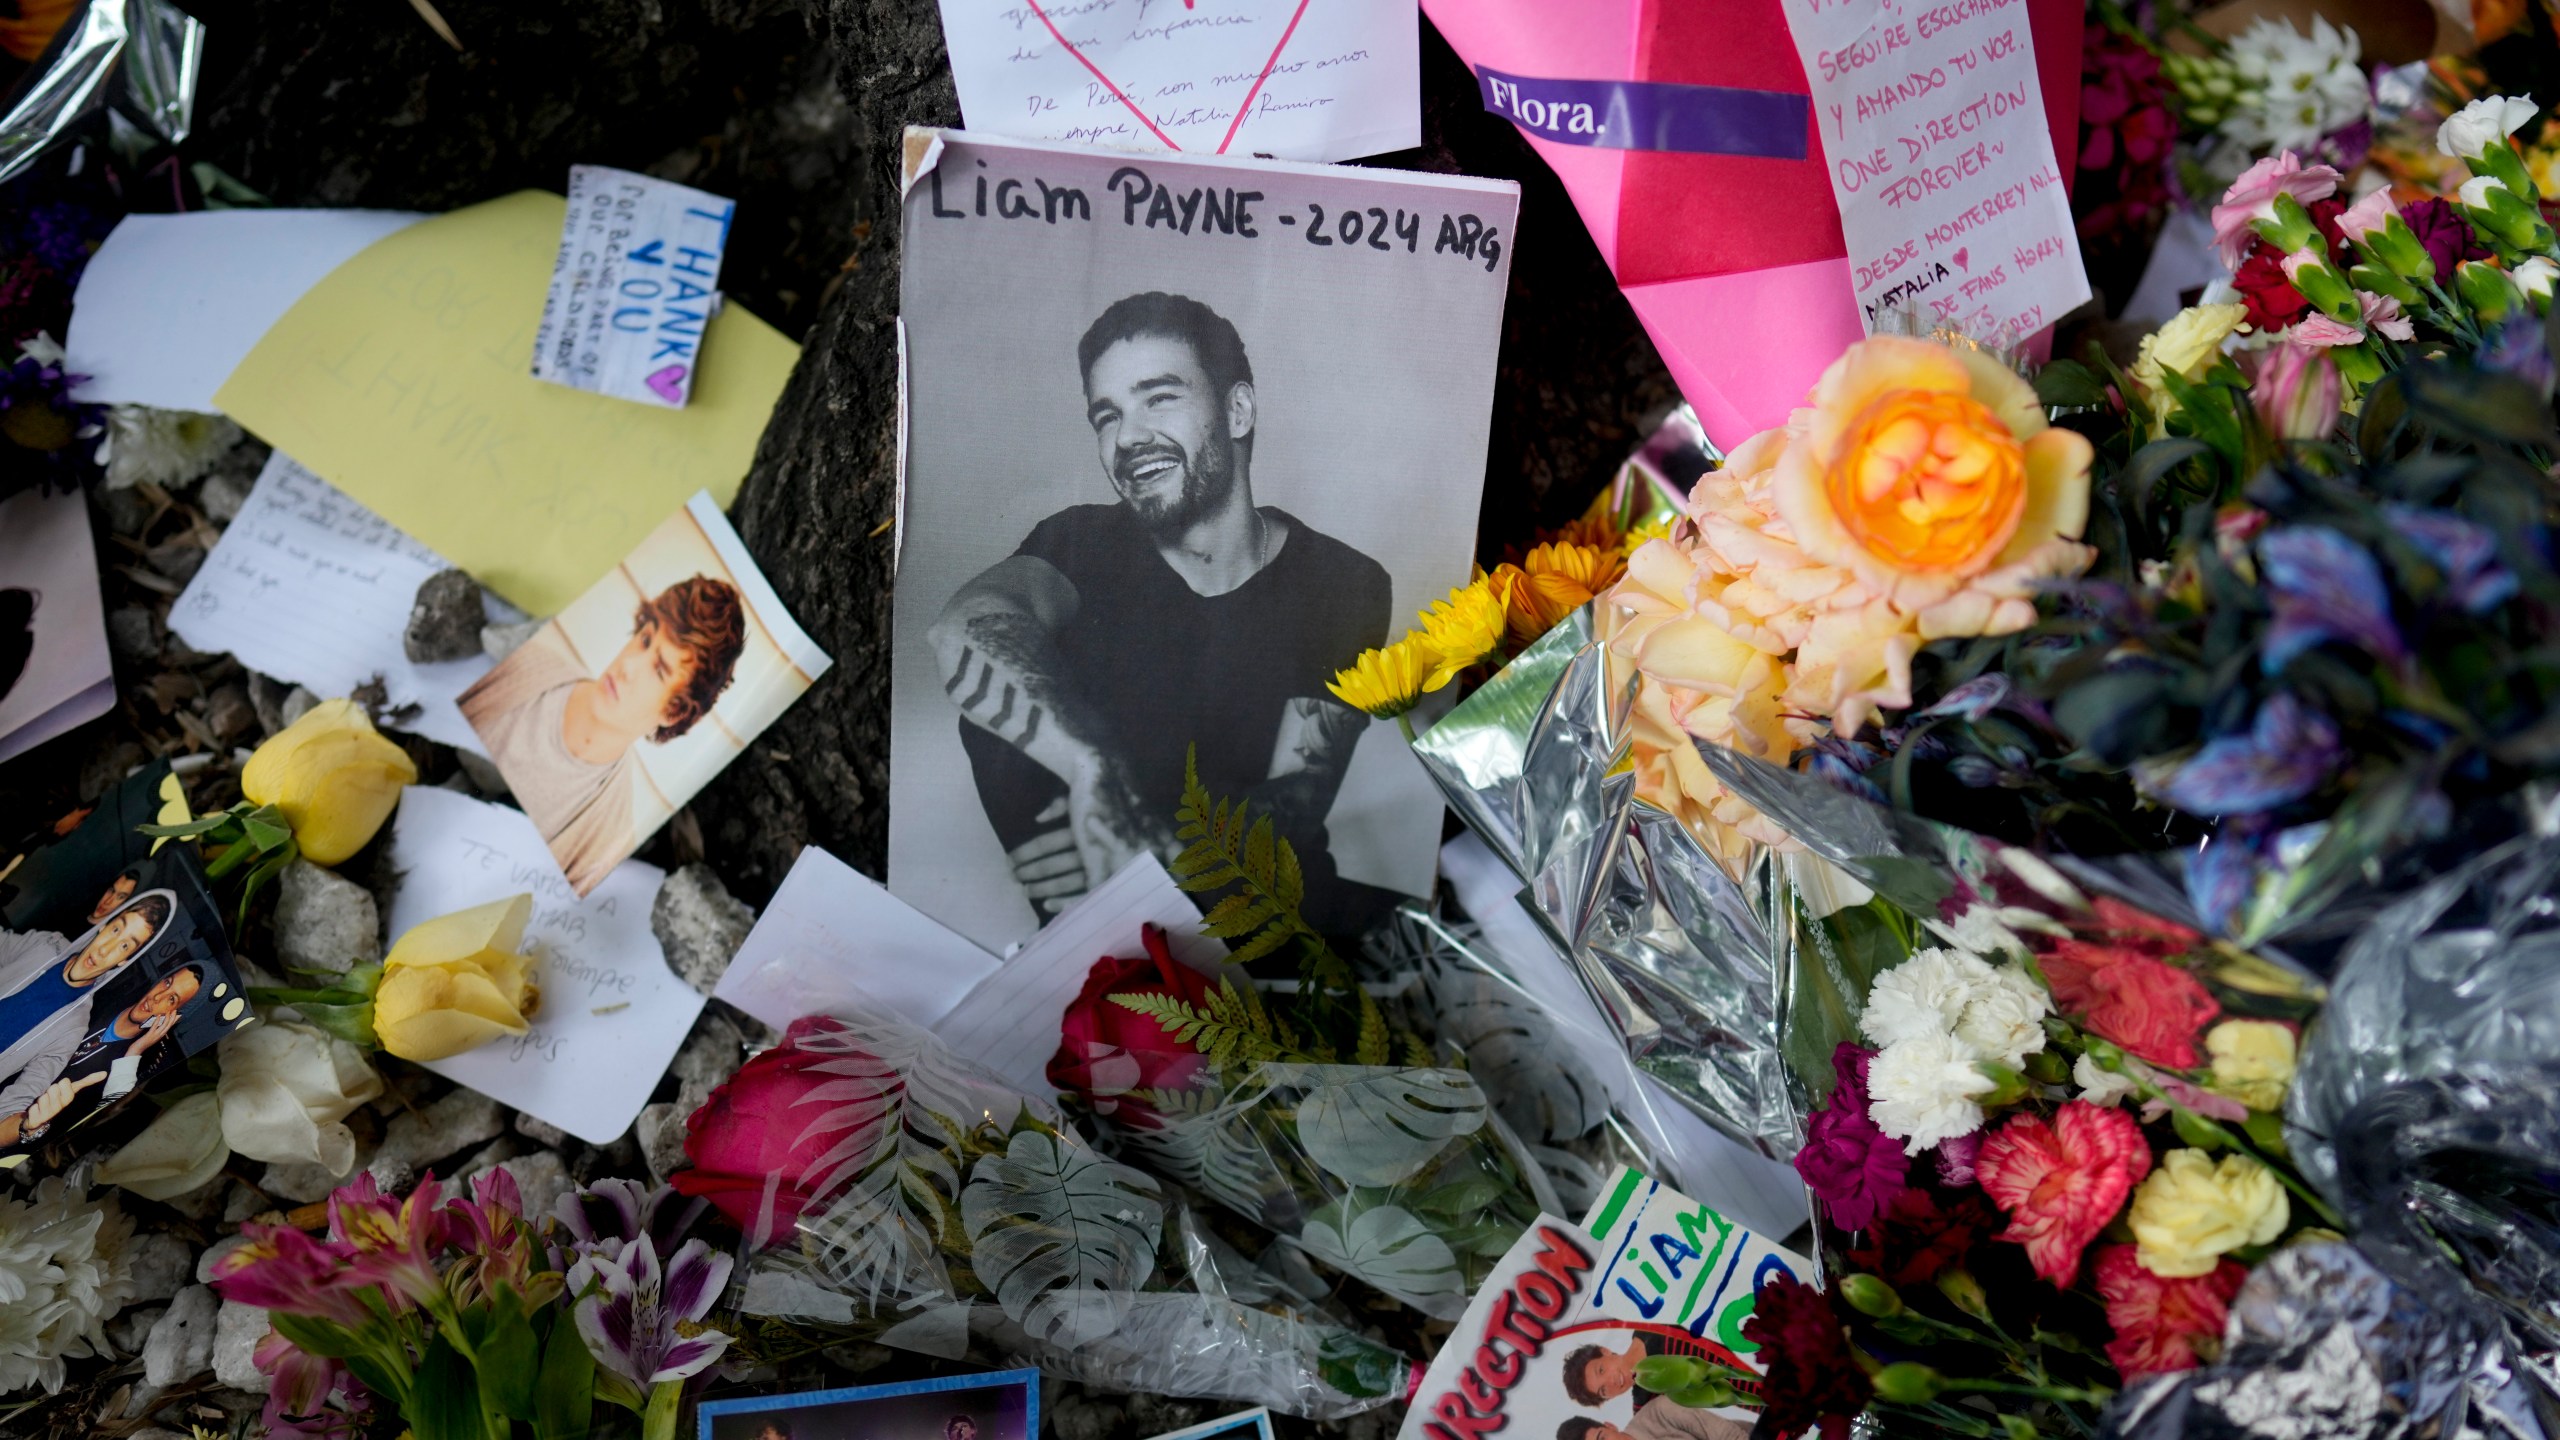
(1229, 1030)
(255, 836)
(1228, 848)
(564, 1398)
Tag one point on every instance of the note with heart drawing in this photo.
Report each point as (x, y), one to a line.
(1291, 79)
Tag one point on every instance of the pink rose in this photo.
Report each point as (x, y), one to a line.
(762, 1141)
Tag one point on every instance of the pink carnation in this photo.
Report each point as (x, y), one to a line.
(2321, 330)
(2252, 197)
(2366, 215)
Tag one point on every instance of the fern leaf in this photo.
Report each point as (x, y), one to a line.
(1289, 885)
(1417, 1054)
(1374, 1047)
(1268, 941)
(1258, 860)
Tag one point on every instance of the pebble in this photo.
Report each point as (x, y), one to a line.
(418, 1139)
(541, 1132)
(325, 922)
(660, 1131)
(699, 924)
(223, 494)
(301, 1183)
(158, 1265)
(1076, 1416)
(180, 1345)
(133, 635)
(710, 1055)
(241, 1203)
(445, 620)
(541, 1178)
(230, 715)
(237, 1331)
(129, 1331)
(297, 703)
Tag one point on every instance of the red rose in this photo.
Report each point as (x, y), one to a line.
(761, 1144)
(1106, 1049)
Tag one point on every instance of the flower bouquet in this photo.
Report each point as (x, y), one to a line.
(891, 1190)
(455, 1316)
(1304, 1110)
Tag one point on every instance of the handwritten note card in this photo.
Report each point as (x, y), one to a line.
(612, 1013)
(637, 280)
(1934, 124)
(1292, 79)
(402, 378)
(308, 586)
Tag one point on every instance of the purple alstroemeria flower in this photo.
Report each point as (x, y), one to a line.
(2324, 587)
(2467, 554)
(613, 1212)
(631, 1313)
(2517, 348)
(2223, 872)
(1841, 774)
(2289, 750)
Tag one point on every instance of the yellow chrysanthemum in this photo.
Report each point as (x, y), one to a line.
(1387, 683)
(1462, 629)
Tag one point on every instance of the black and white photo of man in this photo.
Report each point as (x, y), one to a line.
(1183, 614)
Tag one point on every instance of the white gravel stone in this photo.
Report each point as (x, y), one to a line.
(180, 1345)
(159, 1264)
(324, 921)
(237, 1331)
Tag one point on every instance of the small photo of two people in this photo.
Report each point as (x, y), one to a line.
(86, 1019)
(1600, 1366)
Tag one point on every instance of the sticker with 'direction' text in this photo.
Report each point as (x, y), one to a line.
(637, 280)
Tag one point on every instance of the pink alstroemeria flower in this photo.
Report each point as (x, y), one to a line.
(2252, 197)
(391, 1243)
(284, 1270)
(309, 1397)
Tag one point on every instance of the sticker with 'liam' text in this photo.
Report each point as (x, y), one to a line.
(637, 280)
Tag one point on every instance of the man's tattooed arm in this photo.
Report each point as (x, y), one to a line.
(1317, 736)
(995, 643)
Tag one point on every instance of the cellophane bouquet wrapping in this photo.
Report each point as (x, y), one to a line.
(892, 1190)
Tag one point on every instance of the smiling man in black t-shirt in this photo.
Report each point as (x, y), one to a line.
(1120, 635)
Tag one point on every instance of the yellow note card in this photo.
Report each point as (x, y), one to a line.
(405, 379)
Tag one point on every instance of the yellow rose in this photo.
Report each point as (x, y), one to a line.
(2186, 345)
(455, 982)
(2252, 1061)
(2191, 1212)
(1924, 468)
(333, 775)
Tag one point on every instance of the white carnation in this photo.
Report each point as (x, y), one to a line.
(2468, 132)
(62, 1274)
(1920, 1091)
(2535, 276)
(2099, 1085)
(1982, 929)
(2474, 193)
(162, 447)
(2004, 1020)
(1923, 996)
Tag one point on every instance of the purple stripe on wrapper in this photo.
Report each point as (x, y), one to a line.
(1644, 115)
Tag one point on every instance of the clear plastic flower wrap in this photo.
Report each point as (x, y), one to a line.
(894, 1191)
(1403, 1177)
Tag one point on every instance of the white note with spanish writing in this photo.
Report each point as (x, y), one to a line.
(612, 1014)
(1933, 120)
(1009, 1022)
(310, 587)
(1293, 79)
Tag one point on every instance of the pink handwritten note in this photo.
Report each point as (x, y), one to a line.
(1949, 194)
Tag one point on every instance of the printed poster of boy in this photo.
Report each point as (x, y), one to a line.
(89, 1019)
(619, 710)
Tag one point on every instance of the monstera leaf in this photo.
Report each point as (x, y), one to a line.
(1544, 1090)
(1061, 1235)
(898, 1100)
(1373, 1126)
(1386, 1246)
(1209, 1143)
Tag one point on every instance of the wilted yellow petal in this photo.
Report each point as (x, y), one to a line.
(455, 982)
